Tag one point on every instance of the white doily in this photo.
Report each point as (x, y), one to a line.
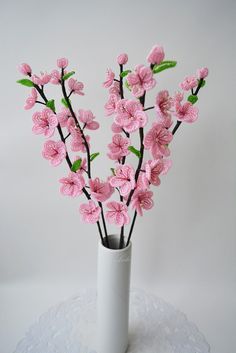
(155, 327)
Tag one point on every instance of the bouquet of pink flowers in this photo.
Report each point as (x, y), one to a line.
(132, 184)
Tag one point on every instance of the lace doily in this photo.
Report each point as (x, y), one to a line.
(155, 327)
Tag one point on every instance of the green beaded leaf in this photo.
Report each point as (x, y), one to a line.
(164, 66)
(26, 82)
(113, 171)
(64, 102)
(134, 151)
(192, 99)
(68, 75)
(76, 165)
(51, 104)
(125, 73)
(93, 156)
(203, 82)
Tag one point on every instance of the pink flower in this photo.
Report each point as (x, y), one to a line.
(122, 59)
(130, 115)
(157, 139)
(54, 151)
(100, 190)
(163, 104)
(25, 69)
(153, 169)
(72, 185)
(76, 86)
(77, 141)
(63, 117)
(202, 73)
(43, 79)
(142, 200)
(110, 106)
(189, 83)
(156, 55)
(109, 79)
(71, 126)
(87, 117)
(62, 63)
(186, 112)
(118, 213)
(115, 89)
(123, 179)
(55, 77)
(90, 212)
(31, 100)
(141, 80)
(119, 147)
(116, 128)
(45, 122)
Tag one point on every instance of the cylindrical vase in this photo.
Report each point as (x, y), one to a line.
(113, 286)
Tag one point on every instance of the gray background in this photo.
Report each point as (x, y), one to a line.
(184, 248)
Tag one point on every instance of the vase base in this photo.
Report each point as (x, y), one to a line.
(155, 327)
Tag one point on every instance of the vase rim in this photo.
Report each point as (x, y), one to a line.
(114, 249)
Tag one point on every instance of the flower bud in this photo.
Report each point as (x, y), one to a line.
(156, 55)
(122, 59)
(202, 73)
(25, 69)
(62, 63)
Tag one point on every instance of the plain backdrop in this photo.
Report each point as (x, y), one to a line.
(184, 249)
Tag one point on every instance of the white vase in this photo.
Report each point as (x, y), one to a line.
(113, 287)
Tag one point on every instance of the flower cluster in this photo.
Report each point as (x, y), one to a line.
(128, 186)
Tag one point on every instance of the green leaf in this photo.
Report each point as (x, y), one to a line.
(26, 82)
(113, 171)
(125, 73)
(76, 165)
(51, 104)
(64, 102)
(93, 156)
(127, 85)
(192, 98)
(68, 75)
(203, 82)
(134, 151)
(163, 66)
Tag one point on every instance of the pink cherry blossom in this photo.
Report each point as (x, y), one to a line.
(156, 55)
(43, 79)
(90, 212)
(25, 69)
(116, 128)
(100, 190)
(72, 185)
(77, 141)
(71, 125)
(54, 151)
(45, 122)
(109, 79)
(63, 117)
(189, 83)
(142, 199)
(115, 89)
(130, 115)
(31, 100)
(110, 106)
(62, 63)
(163, 104)
(122, 59)
(202, 73)
(76, 86)
(153, 169)
(55, 77)
(157, 139)
(141, 80)
(123, 179)
(119, 147)
(87, 117)
(118, 213)
(186, 112)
